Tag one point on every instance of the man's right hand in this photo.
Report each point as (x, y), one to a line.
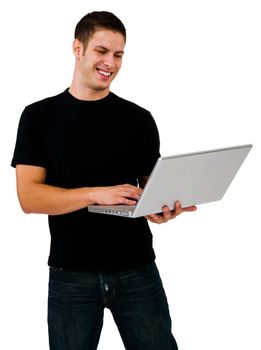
(120, 194)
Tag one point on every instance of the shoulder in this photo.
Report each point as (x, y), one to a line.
(44, 111)
(135, 113)
(129, 105)
(48, 102)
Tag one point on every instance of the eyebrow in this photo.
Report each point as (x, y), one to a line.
(105, 48)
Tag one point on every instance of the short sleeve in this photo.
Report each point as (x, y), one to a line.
(29, 148)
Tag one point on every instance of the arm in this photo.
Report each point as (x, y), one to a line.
(35, 196)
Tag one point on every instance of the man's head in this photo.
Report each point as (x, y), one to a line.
(98, 48)
(94, 21)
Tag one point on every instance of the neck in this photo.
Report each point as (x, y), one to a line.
(86, 94)
(82, 91)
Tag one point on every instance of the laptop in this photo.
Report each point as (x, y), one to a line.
(192, 178)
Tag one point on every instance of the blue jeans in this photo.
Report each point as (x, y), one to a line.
(136, 299)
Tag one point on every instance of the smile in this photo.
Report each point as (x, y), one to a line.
(104, 73)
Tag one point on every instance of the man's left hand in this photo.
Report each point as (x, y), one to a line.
(167, 214)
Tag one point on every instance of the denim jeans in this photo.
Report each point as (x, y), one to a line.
(136, 299)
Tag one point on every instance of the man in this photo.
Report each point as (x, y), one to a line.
(85, 146)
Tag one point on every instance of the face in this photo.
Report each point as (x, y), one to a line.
(101, 62)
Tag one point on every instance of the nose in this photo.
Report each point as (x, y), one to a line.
(109, 62)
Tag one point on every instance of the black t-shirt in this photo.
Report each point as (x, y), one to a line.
(106, 142)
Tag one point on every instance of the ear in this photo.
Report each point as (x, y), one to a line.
(77, 48)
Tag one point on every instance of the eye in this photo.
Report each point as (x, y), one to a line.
(101, 51)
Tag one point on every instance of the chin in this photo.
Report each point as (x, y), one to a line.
(102, 87)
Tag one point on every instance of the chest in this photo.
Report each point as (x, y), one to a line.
(84, 149)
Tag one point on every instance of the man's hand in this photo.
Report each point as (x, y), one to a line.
(167, 214)
(120, 194)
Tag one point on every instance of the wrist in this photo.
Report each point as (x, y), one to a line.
(90, 195)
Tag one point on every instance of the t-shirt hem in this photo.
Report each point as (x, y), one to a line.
(95, 268)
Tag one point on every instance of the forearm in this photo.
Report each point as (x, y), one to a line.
(37, 197)
(40, 198)
(46, 199)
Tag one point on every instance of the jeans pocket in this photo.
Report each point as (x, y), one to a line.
(69, 290)
(145, 284)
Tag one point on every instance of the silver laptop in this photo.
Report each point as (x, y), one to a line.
(192, 178)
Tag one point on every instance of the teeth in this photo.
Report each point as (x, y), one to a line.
(106, 74)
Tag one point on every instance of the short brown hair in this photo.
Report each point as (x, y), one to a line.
(94, 21)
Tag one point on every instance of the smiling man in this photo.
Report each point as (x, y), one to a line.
(85, 146)
(97, 63)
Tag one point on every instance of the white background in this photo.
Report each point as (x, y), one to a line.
(196, 65)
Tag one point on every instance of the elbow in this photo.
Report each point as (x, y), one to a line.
(26, 208)
(26, 204)
(31, 205)
(29, 180)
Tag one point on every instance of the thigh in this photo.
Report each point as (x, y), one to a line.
(75, 310)
(141, 311)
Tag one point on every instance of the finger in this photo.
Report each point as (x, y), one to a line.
(131, 192)
(123, 200)
(178, 208)
(129, 195)
(166, 213)
(133, 188)
(191, 208)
